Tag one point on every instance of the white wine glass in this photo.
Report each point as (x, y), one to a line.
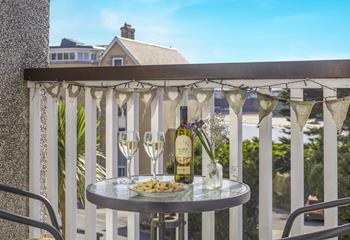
(128, 145)
(154, 146)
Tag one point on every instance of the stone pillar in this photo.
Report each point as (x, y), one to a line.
(24, 42)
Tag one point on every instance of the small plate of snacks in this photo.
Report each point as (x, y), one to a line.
(152, 188)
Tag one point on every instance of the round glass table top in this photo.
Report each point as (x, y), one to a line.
(113, 194)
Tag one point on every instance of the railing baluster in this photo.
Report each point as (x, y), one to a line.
(208, 218)
(183, 102)
(111, 158)
(34, 156)
(133, 118)
(157, 123)
(265, 176)
(297, 165)
(90, 163)
(330, 154)
(52, 151)
(236, 217)
(71, 166)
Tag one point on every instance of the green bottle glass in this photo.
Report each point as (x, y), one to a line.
(184, 164)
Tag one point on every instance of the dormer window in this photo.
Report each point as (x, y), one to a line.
(117, 61)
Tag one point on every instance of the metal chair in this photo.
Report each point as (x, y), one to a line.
(338, 231)
(52, 229)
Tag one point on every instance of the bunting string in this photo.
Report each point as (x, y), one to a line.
(235, 95)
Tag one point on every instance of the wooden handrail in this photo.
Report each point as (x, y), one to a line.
(249, 70)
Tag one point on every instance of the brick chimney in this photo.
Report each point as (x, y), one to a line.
(127, 31)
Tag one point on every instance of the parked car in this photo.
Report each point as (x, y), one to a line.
(317, 215)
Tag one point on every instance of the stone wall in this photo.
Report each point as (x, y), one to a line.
(24, 41)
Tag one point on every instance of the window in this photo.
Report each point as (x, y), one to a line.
(117, 61)
(80, 56)
(65, 56)
(53, 56)
(59, 56)
(72, 56)
(83, 56)
(86, 56)
(93, 56)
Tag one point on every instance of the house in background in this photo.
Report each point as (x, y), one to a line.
(71, 53)
(123, 50)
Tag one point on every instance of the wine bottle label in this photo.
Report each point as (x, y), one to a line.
(183, 149)
(183, 170)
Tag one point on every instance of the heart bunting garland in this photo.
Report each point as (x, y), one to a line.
(338, 108)
(236, 99)
(53, 89)
(147, 98)
(267, 104)
(202, 96)
(302, 110)
(122, 97)
(97, 95)
(73, 91)
(173, 94)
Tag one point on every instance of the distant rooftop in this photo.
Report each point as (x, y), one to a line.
(71, 43)
(147, 54)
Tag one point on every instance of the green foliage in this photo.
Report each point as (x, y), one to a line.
(100, 171)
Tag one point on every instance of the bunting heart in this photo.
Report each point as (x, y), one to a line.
(97, 94)
(338, 109)
(302, 110)
(267, 104)
(147, 98)
(173, 94)
(53, 89)
(122, 97)
(73, 90)
(236, 99)
(202, 96)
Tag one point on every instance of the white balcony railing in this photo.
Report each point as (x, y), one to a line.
(157, 124)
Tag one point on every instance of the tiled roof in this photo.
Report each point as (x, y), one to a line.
(150, 54)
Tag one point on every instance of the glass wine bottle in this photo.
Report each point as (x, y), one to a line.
(184, 165)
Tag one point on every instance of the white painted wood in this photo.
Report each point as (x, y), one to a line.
(297, 165)
(90, 163)
(34, 156)
(157, 122)
(52, 152)
(236, 165)
(133, 118)
(330, 162)
(208, 218)
(111, 158)
(265, 177)
(71, 166)
(183, 102)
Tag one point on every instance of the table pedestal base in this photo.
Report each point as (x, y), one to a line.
(160, 222)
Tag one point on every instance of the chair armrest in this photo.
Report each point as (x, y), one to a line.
(30, 222)
(318, 206)
(323, 234)
(28, 194)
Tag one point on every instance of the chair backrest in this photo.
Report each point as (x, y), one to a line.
(323, 234)
(52, 229)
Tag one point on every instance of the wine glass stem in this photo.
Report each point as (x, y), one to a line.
(129, 167)
(154, 165)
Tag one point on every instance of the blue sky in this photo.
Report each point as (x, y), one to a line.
(214, 31)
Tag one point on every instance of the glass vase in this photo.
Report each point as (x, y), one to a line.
(214, 178)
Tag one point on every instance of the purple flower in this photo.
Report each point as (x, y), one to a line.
(199, 123)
